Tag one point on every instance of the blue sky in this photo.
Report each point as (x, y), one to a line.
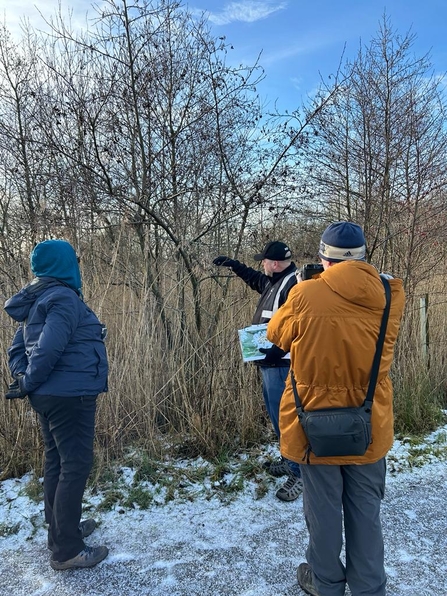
(298, 39)
(301, 39)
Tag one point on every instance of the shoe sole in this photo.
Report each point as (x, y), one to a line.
(287, 499)
(278, 474)
(66, 565)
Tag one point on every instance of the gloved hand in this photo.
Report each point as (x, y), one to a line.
(272, 355)
(223, 261)
(16, 389)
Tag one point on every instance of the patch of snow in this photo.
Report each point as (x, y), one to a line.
(245, 546)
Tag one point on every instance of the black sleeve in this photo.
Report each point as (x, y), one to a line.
(257, 280)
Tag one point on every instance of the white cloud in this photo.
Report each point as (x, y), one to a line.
(15, 15)
(305, 46)
(247, 11)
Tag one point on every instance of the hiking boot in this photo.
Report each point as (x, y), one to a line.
(276, 468)
(306, 579)
(87, 527)
(291, 489)
(89, 557)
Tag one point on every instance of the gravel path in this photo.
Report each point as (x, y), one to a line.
(246, 548)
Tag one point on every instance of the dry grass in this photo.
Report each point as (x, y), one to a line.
(192, 395)
(420, 379)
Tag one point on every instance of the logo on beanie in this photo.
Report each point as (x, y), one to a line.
(343, 240)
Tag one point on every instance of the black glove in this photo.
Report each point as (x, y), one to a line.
(16, 389)
(272, 355)
(224, 261)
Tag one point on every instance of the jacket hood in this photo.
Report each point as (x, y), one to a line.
(356, 281)
(57, 259)
(18, 306)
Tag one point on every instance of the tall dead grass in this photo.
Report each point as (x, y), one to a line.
(193, 395)
(420, 372)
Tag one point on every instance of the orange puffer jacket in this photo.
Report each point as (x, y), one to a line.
(330, 326)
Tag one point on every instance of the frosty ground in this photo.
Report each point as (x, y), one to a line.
(243, 546)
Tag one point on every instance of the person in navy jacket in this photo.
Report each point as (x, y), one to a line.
(58, 359)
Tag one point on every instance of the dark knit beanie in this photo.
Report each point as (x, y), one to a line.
(342, 241)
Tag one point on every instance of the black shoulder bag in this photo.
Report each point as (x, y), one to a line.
(343, 431)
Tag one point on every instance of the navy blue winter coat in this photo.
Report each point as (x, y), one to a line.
(59, 344)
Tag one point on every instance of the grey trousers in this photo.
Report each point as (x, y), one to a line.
(352, 495)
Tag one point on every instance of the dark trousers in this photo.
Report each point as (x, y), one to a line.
(68, 427)
(334, 496)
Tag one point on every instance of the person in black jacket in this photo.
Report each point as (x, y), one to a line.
(273, 285)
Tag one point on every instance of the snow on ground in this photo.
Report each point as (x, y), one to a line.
(247, 547)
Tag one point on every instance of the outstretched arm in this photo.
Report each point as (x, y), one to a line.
(255, 279)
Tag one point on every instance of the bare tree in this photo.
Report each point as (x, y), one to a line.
(144, 146)
(378, 154)
(151, 128)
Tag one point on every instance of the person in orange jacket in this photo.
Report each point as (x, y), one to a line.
(330, 325)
